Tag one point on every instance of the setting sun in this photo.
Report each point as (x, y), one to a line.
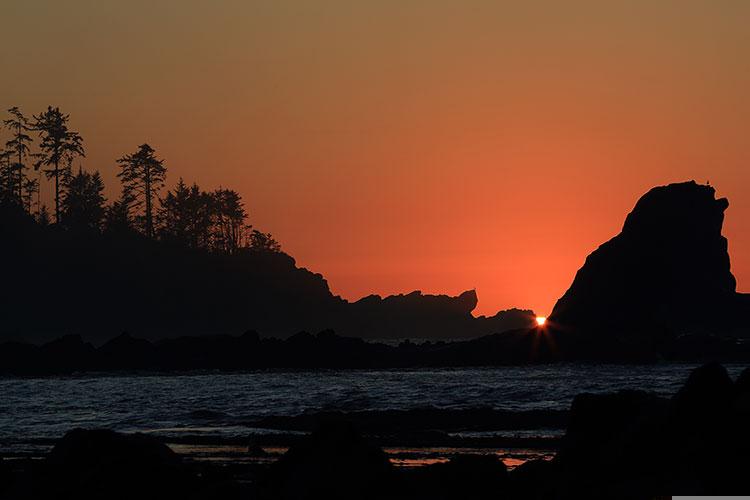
(541, 320)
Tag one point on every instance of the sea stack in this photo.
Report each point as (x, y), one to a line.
(667, 270)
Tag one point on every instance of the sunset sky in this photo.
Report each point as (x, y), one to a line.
(399, 145)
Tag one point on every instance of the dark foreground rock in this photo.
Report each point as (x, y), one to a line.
(334, 462)
(632, 445)
(464, 476)
(89, 464)
(106, 464)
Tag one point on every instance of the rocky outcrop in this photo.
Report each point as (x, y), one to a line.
(418, 315)
(667, 271)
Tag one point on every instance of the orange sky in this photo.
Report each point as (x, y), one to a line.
(398, 145)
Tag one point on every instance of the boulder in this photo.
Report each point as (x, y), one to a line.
(333, 462)
(101, 463)
(463, 476)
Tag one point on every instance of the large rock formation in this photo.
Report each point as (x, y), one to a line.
(667, 271)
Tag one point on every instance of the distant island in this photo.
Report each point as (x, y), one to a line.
(165, 264)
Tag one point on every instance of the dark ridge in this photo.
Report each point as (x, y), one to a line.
(96, 284)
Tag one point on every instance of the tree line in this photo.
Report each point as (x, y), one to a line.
(186, 215)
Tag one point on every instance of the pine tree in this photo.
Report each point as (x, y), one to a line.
(83, 203)
(43, 218)
(187, 216)
(230, 215)
(142, 177)
(59, 146)
(19, 146)
(7, 179)
(263, 242)
(117, 218)
(30, 188)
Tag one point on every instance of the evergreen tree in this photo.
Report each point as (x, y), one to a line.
(59, 146)
(117, 218)
(30, 188)
(187, 216)
(142, 176)
(263, 242)
(43, 218)
(19, 146)
(7, 177)
(229, 224)
(83, 203)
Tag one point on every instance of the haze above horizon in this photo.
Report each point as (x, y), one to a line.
(394, 146)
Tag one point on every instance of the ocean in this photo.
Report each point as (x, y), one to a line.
(220, 404)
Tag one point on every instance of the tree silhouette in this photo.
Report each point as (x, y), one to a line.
(59, 146)
(83, 203)
(30, 188)
(43, 219)
(7, 177)
(263, 242)
(19, 147)
(142, 176)
(230, 220)
(117, 218)
(186, 216)
(194, 218)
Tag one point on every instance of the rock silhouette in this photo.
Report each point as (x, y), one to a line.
(667, 271)
(104, 464)
(333, 462)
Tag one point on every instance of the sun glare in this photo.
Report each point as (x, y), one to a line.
(541, 320)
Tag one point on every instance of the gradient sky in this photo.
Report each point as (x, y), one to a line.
(399, 145)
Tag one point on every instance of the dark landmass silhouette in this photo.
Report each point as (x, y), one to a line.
(660, 290)
(326, 350)
(668, 269)
(623, 445)
(77, 281)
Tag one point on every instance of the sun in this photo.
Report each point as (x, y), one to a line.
(541, 320)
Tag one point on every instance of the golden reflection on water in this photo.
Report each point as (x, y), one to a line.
(399, 456)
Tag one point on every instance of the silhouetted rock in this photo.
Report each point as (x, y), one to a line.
(4, 476)
(463, 476)
(126, 352)
(67, 354)
(334, 462)
(535, 479)
(708, 390)
(104, 464)
(426, 316)
(667, 272)
(635, 445)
